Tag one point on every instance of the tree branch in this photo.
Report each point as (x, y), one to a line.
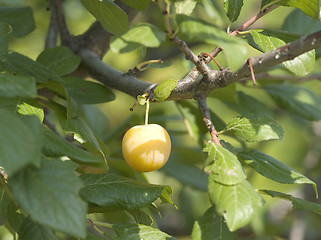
(188, 87)
(113, 78)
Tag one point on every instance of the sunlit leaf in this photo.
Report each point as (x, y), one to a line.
(268, 40)
(224, 166)
(164, 89)
(144, 34)
(255, 129)
(237, 204)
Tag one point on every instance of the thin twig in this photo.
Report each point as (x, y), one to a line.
(253, 20)
(207, 118)
(249, 61)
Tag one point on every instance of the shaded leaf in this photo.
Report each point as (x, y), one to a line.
(19, 64)
(30, 230)
(299, 23)
(14, 16)
(137, 4)
(108, 192)
(196, 30)
(130, 231)
(17, 86)
(87, 92)
(268, 40)
(309, 7)
(111, 17)
(224, 166)
(60, 60)
(274, 169)
(233, 9)
(237, 204)
(299, 204)
(255, 129)
(164, 89)
(50, 195)
(210, 226)
(141, 216)
(20, 141)
(55, 146)
(144, 34)
(5, 35)
(298, 100)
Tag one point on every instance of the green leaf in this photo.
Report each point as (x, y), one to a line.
(50, 195)
(111, 17)
(188, 175)
(60, 60)
(309, 7)
(224, 166)
(297, 203)
(233, 9)
(30, 230)
(15, 16)
(250, 106)
(96, 120)
(5, 36)
(21, 65)
(237, 204)
(10, 104)
(196, 30)
(299, 23)
(141, 100)
(87, 92)
(255, 129)
(298, 100)
(55, 146)
(274, 169)
(141, 216)
(5, 201)
(185, 6)
(164, 89)
(268, 40)
(137, 4)
(130, 231)
(17, 86)
(20, 141)
(144, 34)
(108, 192)
(210, 226)
(31, 109)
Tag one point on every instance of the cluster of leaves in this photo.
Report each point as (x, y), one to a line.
(48, 190)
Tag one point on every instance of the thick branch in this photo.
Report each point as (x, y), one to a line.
(188, 87)
(219, 79)
(111, 77)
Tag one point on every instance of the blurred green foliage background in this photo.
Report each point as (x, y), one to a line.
(300, 147)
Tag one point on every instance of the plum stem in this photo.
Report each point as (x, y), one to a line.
(146, 113)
